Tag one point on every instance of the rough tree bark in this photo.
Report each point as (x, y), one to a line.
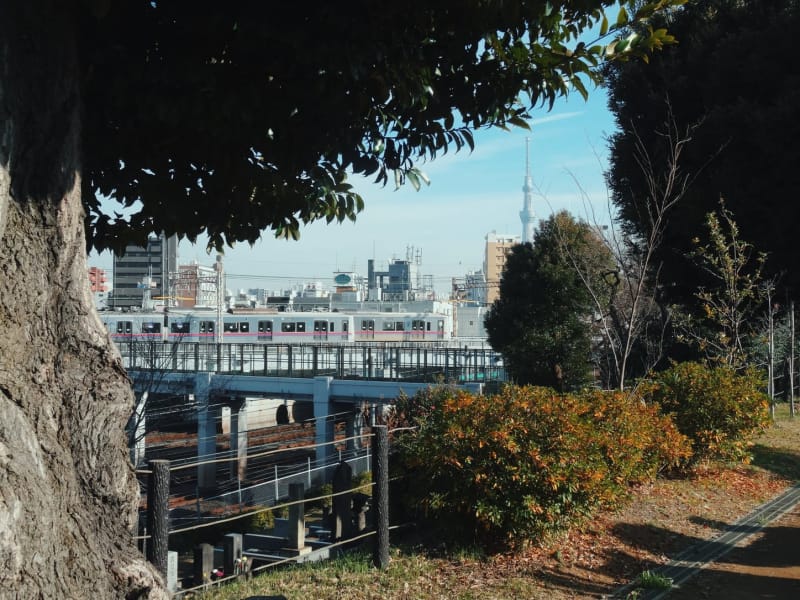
(68, 496)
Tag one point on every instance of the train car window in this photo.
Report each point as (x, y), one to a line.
(301, 326)
(180, 327)
(418, 325)
(124, 326)
(344, 326)
(388, 325)
(331, 327)
(287, 327)
(265, 326)
(206, 326)
(231, 327)
(399, 326)
(428, 328)
(151, 327)
(244, 327)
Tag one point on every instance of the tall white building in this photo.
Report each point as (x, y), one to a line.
(526, 214)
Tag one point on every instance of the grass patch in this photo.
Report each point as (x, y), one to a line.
(650, 580)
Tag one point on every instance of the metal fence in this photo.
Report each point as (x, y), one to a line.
(407, 362)
(270, 491)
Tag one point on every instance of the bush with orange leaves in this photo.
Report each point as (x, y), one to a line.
(717, 407)
(506, 468)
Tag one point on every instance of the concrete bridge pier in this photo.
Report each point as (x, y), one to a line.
(207, 415)
(323, 407)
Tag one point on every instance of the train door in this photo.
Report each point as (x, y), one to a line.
(346, 331)
(367, 329)
(206, 333)
(320, 330)
(417, 328)
(264, 331)
(124, 328)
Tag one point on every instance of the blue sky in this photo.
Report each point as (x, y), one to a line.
(470, 195)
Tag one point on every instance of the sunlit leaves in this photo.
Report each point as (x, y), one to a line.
(731, 303)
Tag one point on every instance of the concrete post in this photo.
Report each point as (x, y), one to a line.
(238, 437)
(323, 407)
(203, 563)
(342, 502)
(232, 552)
(297, 520)
(172, 571)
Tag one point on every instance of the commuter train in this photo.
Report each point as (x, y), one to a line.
(277, 327)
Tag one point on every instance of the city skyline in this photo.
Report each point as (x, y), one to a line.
(469, 196)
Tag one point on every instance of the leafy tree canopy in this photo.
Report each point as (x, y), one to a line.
(542, 320)
(731, 73)
(245, 116)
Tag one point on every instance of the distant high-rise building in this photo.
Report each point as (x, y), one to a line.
(97, 279)
(144, 269)
(497, 248)
(526, 214)
(195, 285)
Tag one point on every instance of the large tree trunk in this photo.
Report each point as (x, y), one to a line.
(68, 496)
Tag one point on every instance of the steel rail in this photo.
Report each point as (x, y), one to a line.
(691, 561)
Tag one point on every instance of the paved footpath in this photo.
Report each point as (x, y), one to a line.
(756, 557)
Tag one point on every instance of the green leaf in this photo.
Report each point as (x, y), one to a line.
(604, 26)
(518, 121)
(622, 17)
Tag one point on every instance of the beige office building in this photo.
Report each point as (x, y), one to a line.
(497, 248)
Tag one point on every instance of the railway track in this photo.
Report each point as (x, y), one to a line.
(691, 561)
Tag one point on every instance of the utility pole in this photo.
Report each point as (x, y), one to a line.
(220, 298)
(791, 359)
(771, 357)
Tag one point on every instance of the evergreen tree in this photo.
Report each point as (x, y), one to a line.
(542, 320)
(731, 75)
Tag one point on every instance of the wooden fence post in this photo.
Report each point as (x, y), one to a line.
(380, 496)
(158, 514)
